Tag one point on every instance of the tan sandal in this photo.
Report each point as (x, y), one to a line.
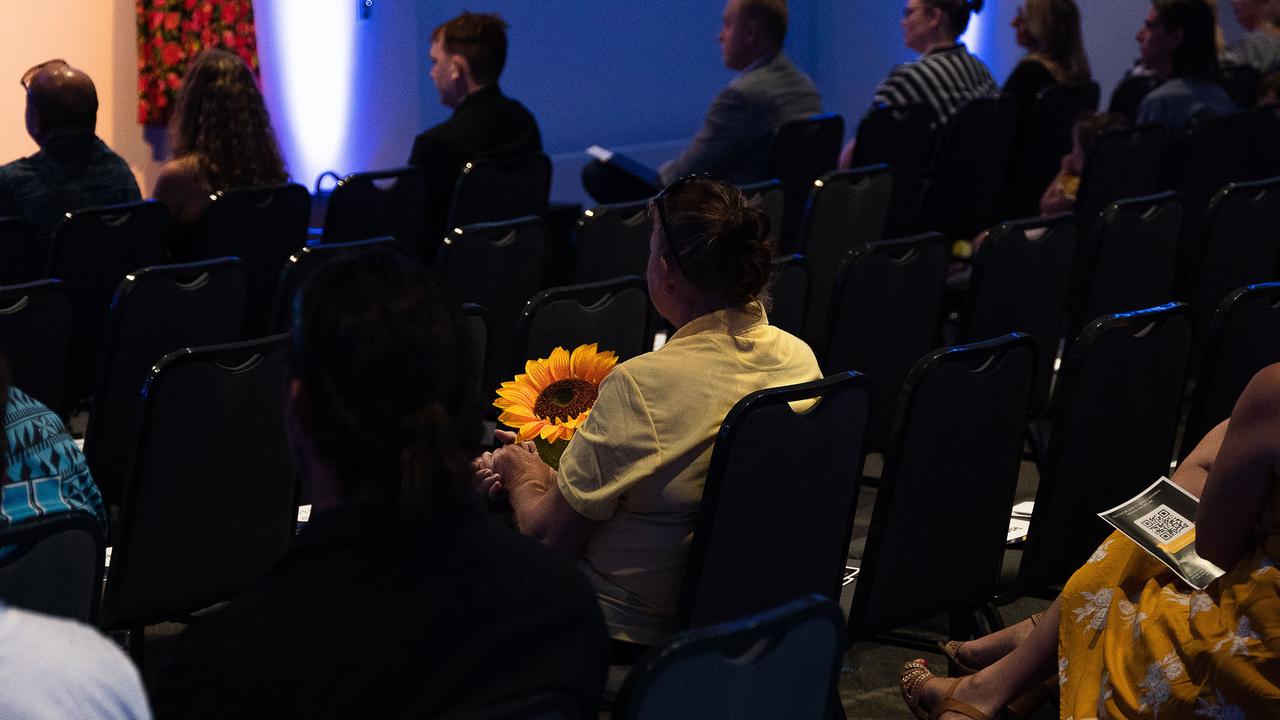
(914, 675)
(951, 648)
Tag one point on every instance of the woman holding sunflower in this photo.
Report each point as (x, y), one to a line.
(625, 496)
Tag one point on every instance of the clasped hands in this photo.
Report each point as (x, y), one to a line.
(502, 471)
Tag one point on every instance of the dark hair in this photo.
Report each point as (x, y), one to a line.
(1269, 84)
(1091, 125)
(481, 38)
(771, 15)
(716, 238)
(221, 120)
(1055, 24)
(1197, 54)
(955, 13)
(387, 382)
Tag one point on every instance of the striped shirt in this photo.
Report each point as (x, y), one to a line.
(944, 79)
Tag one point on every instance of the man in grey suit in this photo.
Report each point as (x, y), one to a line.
(733, 142)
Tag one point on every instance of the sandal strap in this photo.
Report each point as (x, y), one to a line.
(950, 704)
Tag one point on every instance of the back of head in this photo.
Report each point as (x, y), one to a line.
(1091, 125)
(221, 120)
(770, 16)
(956, 13)
(481, 38)
(717, 239)
(64, 98)
(386, 396)
(1197, 55)
(1055, 24)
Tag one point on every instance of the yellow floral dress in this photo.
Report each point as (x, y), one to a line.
(1137, 642)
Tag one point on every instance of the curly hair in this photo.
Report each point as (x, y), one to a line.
(221, 121)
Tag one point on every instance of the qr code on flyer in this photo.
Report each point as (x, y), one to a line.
(1165, 524)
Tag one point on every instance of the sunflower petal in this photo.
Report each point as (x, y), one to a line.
(559, 364)
(531, 430)
(539, 373)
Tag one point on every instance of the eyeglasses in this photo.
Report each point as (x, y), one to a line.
(659, 202)
(30, 75)
(908, 11)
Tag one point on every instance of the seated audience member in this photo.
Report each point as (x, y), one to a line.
(402, 597)
(222, 136)
(58, 668)
(946, 76)
(74, 169)
(44, 470)
(467, 57)
(1260, 47)
(733, 142)
(1050, 32)
(1176, 41)
(1269, 90)
(1127, 637)
(625, 499)
(1060, 196)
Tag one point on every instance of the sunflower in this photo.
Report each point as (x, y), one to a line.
(554, 395)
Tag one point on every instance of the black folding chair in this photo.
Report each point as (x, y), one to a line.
(92, 251)
(156, 311)
(497, 189)
(884, 317)
(1240, 82)
(303, 264)
(789, 293)
(846, 209)
(377, 204)
(759, 542)
(1243, 338)
(902, 138)
(771, 198)
(614, 314)
(20, 258)
(477, 320)
(35, 336)
(977, 145)
(801, 152)
(948, 482)
(1241, 246)
(782, 662)
(262, 226)
(1122, 164)
(210, 500)
(498, 266)
(548, 706)
(1042, 141)
(1021, 281)
(1264, 144)
(55, 565)
(1127, 262)
(1114, 419)
(1128, 95)
(612, 241)
(1213, 154)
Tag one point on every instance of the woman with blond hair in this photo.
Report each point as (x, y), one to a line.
(1050, 32)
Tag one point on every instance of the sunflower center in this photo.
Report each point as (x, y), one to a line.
(565, 399)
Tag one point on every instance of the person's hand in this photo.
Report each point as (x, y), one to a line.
(487, 481)
(517, 464)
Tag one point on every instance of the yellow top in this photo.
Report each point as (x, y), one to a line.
(638, 464)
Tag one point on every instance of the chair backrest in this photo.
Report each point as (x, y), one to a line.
(1042, 141)
(1020, 283)
(1241, 83)
(901, 137)
(92, 251)
(1121, 164)
(977, 147)
(55, 565)
(498, 266)
(544, 706)
(496, 189)
(35, 332)
(1114, 419)
(801, 152)
(1264, 144)
(20, 258)
(612, 241)
(301, 265)
(477, 321)
(1127, 262)
(783, 662)
(789, 293)
(749, 552)
(1128, 95)
(846, 209)
(379, 203)
(262, 226)
(156, 311)
(614, 314)
(1215, 149)
(771, 198)
(949, 479)
(210, 501)
(884, 317)
(1243, 338)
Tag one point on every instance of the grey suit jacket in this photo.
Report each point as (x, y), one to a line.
(733, 142)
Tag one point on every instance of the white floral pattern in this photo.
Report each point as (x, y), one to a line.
(1131, 615)
(1101, 553)
(1176, 597)
(1239, 640)
(1221, 710)
(1095, 609)
(1155, 685)
(1062, 671)
(1200, 602)
(1264, 565)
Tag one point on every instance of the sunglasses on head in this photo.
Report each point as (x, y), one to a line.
(659, 202)
(30, 75)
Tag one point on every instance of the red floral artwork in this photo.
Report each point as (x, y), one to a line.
(172, 32)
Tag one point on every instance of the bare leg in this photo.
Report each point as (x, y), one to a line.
(981, 652)
(1033, 661)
